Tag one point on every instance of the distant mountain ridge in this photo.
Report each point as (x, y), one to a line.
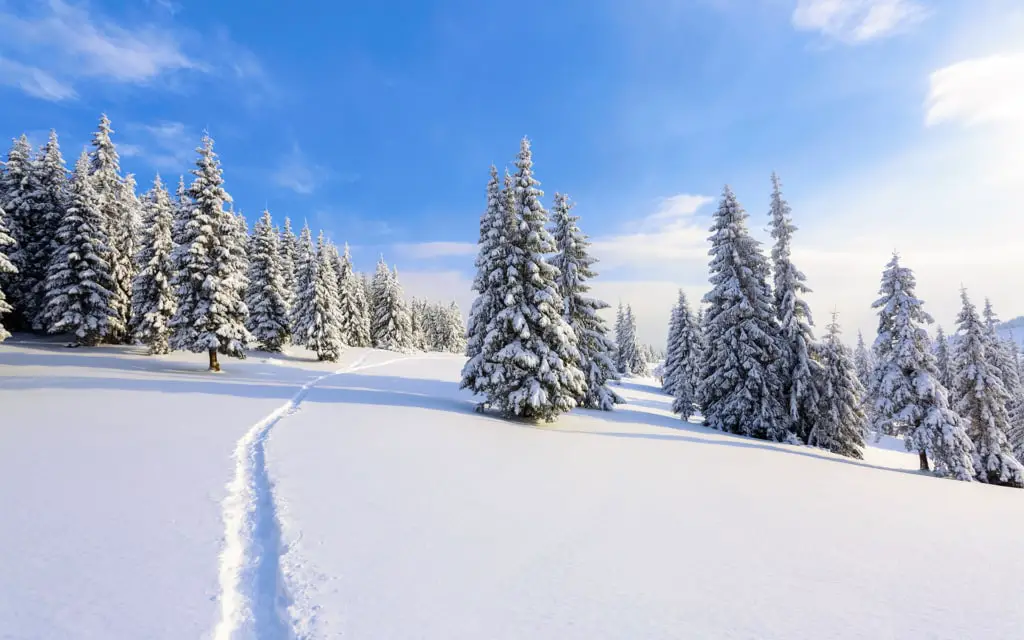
(1013, 329)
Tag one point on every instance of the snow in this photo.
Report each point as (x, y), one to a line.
(403, 513)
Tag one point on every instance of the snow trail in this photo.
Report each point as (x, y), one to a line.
(254, 597)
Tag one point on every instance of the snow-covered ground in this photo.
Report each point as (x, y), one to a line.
(144, 498)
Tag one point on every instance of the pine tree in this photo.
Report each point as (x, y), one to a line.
(620, 334)
(942, 360)
(182, 212)
(741, 383)
(153, 298)
(981, 399)
(303, 310)
(267, 294)
(417, 323)
(390, 326)
(210, 279)
(580, 311)
(490, 266)
(25, 201)
(52, 176)
(838, 424)
(682, 362)
(671, 367)
(629, 355)
(529, 350)
(317, 302)
(863, 362)
(999, 353)
(79, 283)
(289, 247)
(908, 398)
(444, 328)
(6, 268)
(794, 316)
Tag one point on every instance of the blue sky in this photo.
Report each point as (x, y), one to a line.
(377, 122)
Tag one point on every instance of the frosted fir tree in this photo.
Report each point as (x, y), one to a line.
(153, 297)
(630, 354)
(182, 212)
(417, 324)
(580, 311)
(490, 265)
(741, 380)
(7, 268)
(52, 176)
(942, 360)
(909, 400)
(79, 282)
(289, 247)
(530, 350)
(446, 331)
(390, 325)
(24, 200)
(839, 423)
(981, 399)
(682, 361)
(794, 316)
(999, 352)
(210, 279)
(302, 312)
(267, 296)
(620, 335)
(348, 310)
(319, 304)
(863, 361)
(670, 366)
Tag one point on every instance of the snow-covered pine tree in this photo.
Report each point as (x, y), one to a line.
(25, 201)
(999, 353)
(741, 385)
(630, 350)
(153, 297)
(489, 267)
(448, 333)
(79, 282)
(289, 247)
(981, 400)
(838, 424)
(908, 398)
(620, 337)
(210, 278)
(318, 303)
(670, 367)
(52, 176)
(305, 287)
(863, 361)
(794, 316)
(116, 204)
(685, 356)
(7, 268)
(580, 311)
(352, 317)
(417, 325)
(530, 349)
(267, 294)
(389, 320)
(182, 212)
(942, 360)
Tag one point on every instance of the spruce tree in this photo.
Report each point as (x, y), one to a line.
(7, 268)
(794, 316)
(629, 354)
(267, 294)
(863, 361)
(981, 399)
(153, 297)
(52, 176)
(621, 355)
(684, 356)
(352, 317)
(671, 366)
(579, 310)
(530, 350)
(302, 312)
(446, 331)
(490, 266)
(182, 212)
(942, 359)
(25, 201)
(210, 279)
(838, 424)
(79, 282)
(318, 303)
(999, 353)
(289, 247)
(908, 398)
(741, 380)
(390, 325)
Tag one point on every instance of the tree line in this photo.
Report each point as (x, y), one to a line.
(749, 363)
(81, 254)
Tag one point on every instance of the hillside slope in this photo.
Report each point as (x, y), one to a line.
(375, 503)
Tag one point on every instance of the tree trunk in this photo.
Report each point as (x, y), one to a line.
(923, 455)
(214, 365)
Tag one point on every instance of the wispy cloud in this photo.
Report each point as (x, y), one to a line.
(986, 90)
(671, 232)
(300, 174)
(167, 146)
(856, 21)
(424, 250)
(52, 47)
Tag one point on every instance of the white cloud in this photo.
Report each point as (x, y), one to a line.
(986, 90)
(298, 173)
(167, 146)
(671, 233)
(51, 46)
(435, 249)
(855, 21)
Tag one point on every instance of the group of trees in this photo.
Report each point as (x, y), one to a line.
(537, 345)
(83, 255)
(750, 364)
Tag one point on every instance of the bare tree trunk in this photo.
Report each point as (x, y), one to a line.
(923, 455)
(214, 365)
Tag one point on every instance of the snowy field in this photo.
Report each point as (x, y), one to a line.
(145, 498)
